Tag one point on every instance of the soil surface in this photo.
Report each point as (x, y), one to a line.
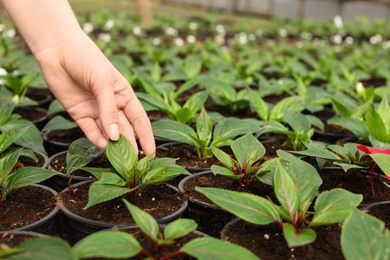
(24, 206)
(268, 242)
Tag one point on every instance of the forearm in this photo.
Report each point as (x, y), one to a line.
(44, 24)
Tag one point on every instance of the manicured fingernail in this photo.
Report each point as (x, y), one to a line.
(114, 132)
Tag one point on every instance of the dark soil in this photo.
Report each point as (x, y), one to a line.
(159, 201)
(149, 247)
(59, 140)
(210, 218)
(268, 242)
(358, 183)
(12, 240)
(24, 206)
(381, 212)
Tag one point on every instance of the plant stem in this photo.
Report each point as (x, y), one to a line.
(171, 255)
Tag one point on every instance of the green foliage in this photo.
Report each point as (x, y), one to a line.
(12, 179)
(299, 130)
(372, 126)
(18, 84)
(364, 237)
(119, 244)
(346, 156)
(206, 135)
(246, 165)
(296, 186)
(128, 175)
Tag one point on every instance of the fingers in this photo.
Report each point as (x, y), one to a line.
(92, 131)
(136, 115)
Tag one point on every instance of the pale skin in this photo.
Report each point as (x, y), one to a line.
(80, 76)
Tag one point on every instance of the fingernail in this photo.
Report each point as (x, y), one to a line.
(114, 132)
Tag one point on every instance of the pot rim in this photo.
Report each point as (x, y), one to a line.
(100, 224)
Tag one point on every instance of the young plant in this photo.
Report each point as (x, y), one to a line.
(369, 233)
(12, 179)
(296, 186)
(129, 175)
(119, 244)
(373, 126)
(300, 129)
(31, 138)
(206, 134)
(347, 156)
(380, 157)
(246, 165)
(18, 84)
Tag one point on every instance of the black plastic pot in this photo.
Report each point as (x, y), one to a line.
(59, 140)
(78, 227)
(47, 224)
(210, 218)
(61, 180)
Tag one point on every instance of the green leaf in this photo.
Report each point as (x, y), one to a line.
(334, 206)
(249, 207)
(107, 244)
(218, 170)
(376, 126)
(212, 248)
(44, 248)
(286, 192)
(259, 105)
(364, 237)
(383, 161)
(174, 131)
(80, 153)
(233, 127)
(354, 125)
(293, 103)
(204, 127)
(9, 137)
(59, 123)
(144, 220)
(121, 155)
(222, 157)
(31, 139)
(101, 192)
(247, 149)
(179, 228)
(192, 65)
(305, 176)
(296, 238)
(25, 176)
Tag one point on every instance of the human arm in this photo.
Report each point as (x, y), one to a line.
(85, 82)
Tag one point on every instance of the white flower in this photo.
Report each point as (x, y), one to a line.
(137, 30)
(2, 27)
(220, 29)
(219, 39)
(109, 24)
(282, 32)
(10, 33)
(299, 44)
(88, 28)
(171, 31)
(156, 41)
(106, 37)
(178, 41)
(307, 35)
(193, 26)
(336, 38)
(360, 89)
(338, 22)
(3, 72)
(191, 38)
(377, 38)
(242, 38)
(386, 45)
(349, 40)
